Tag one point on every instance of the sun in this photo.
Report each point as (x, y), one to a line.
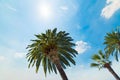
(45, 10)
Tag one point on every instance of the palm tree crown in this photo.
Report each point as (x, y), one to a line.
(51, 49)
(112, 42)
(100, 60)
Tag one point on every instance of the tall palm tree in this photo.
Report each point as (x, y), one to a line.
(112, 42)
(54, 50)
(102, 61)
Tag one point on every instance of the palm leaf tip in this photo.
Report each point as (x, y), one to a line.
(54, 30)
(116, 56)
(37, 68)
(94, 65)
(96, 57)
(101, 54)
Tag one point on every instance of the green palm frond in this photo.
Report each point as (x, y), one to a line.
(116, 55)
(94, 65)
(101, 54)
(41, 51)
(96, 57)
(112, 42)
(100, 60)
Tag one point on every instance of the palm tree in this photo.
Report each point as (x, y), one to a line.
(53, 50)
(102, 61)
(112, 42)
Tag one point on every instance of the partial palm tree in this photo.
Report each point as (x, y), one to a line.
(112, 42)
(54, 50)
(102, 61)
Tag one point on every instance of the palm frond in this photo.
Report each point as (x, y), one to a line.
(41, 50)
(112, 42)
(94, 65)
(100, 60)
(96, 57)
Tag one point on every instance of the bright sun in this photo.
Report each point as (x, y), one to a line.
(45, 11)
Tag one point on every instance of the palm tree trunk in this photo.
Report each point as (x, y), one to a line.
(61, 71)
(112, 71)
(55, 59)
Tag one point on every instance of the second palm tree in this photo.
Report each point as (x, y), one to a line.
(102, 61)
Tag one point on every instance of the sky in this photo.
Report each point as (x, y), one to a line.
(87, 21)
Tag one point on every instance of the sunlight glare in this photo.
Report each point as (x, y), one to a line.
(45, 11)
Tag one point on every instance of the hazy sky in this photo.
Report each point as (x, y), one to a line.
(87, 21)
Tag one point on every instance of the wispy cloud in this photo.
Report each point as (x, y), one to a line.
(111, 7)
(78, 26)
(11, 7)
(81, 46)
(64, 8)
(2, 58)
(19, 55)
(15, 73)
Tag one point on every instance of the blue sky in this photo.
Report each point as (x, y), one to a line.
(87, 21)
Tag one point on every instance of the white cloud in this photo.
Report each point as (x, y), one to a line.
(8, 6)
(64, 8)
(2, 58)
(82, 66)
(81, 46)
(19, 55)
(111, 7)
(15, 73)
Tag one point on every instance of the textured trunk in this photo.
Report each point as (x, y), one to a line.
(107, 65)
(61, 71)
(55, 59)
